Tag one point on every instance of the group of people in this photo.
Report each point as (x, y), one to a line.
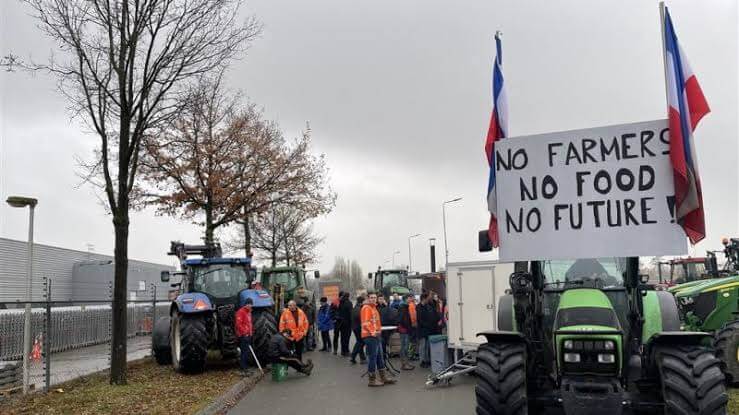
(286, 346)
(365, 319)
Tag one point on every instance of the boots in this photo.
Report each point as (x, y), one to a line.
(406, 366)
(373, 381)
(307, 368)
(385, 379)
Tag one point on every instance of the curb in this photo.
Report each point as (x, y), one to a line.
(230, 397)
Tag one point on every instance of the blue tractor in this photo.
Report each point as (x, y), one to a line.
(201, 318)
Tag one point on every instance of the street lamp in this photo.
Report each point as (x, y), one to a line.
(21, 202)
(409, 251)
(443, 213)
(395, 253)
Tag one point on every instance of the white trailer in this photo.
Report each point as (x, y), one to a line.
(473, 290)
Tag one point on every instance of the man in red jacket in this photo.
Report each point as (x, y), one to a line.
(244, 331)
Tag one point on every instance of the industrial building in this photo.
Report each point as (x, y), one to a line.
(75, 275)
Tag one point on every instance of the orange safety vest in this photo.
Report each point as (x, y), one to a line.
(371, 324)
(412, 312)
(298, 329)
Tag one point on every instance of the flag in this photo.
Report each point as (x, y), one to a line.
(498, 129)
(686, 105)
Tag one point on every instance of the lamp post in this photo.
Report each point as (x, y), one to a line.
(395, 253)
(443, 213)
(410, 268)
(21, 202)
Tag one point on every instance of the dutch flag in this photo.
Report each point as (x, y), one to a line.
(498, 129)
(686, 107)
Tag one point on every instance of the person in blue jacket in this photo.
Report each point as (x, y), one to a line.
(325, 324)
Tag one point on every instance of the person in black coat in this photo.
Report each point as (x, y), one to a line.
(357, 330)
(279, 352)
(428, 325)
(344, 323)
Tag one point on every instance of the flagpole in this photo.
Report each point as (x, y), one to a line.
(664, 47)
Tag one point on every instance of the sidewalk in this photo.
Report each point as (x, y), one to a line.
(72, 364)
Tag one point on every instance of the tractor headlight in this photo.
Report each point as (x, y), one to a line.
(572, 357)
(568, 344)
(606, 358)
(609, 345)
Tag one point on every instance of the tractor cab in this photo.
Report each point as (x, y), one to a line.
(682, 270)
(287, 283)
(390, 281)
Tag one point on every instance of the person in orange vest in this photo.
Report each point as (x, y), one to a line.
(296, 321)
(371, 331)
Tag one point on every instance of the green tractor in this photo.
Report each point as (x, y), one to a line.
(283, 283)
(712, 305)
(390, 281)
(588, 336)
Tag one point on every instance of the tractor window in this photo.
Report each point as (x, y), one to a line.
(595, 272)
(220, 281)
(394, 279)
(288, 280)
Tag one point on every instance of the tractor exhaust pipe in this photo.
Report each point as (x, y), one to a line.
(432, 247)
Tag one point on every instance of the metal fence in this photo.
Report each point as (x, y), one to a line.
(59, 328)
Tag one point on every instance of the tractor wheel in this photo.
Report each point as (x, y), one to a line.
(726, 342)
(691, 380)
(501, 379)
(161, 344)
(189, 343)
(265, 325)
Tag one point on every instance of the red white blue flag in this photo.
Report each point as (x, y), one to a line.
(686, 107)
(498, 129)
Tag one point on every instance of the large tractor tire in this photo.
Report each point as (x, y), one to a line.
(691, 380)
(265, 325)
(501, 379)
(160, 341)
(189, 342)
(726, 343)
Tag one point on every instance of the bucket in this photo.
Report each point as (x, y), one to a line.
(279, 372)
(439, 353)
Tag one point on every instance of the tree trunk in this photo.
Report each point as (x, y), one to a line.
(247, 234)
(120, 291)
(208, 226)
(274, 258)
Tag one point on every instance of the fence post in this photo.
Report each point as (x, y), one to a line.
(47, 337)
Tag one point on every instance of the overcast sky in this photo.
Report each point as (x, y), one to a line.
(398, 97)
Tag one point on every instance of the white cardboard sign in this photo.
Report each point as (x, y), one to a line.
(597, 192)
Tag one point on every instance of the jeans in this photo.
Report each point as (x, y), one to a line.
(374, 354)
(425, 349)
(298, 346)
(326, 340)
(405, 344)
(244, 343)
(358, 346)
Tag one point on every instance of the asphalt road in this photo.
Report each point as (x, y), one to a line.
(336, 388)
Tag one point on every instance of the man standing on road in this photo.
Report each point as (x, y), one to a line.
(325, 324)
(428, 324)
(335, 313)
(244, 332)
(371, 331)
(305, 304)
(357, 330)
(345, 327)
(296, 321)
(406, 326)
(279, 352)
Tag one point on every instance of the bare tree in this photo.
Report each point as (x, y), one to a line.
(126, 64)
(306, 196)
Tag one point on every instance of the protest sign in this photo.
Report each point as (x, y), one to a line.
(598, 192)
